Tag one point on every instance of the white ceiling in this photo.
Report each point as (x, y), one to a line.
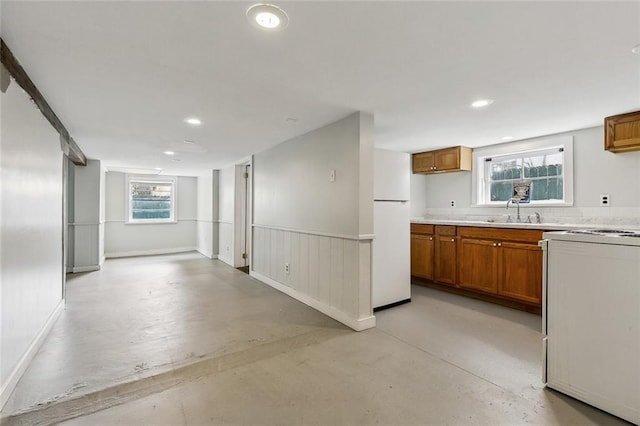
(122, 76)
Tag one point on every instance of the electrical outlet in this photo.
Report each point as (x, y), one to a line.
(287, 269)
(453, 203)
(605, 200)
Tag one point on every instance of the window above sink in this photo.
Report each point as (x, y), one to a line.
(547, 164)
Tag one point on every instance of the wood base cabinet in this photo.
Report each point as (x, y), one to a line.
(521, 272)
(499, 264)
(504, 262)
(422, 251)
(478, 262)
(446, 255)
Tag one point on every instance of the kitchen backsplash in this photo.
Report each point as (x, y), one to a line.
(569, 215)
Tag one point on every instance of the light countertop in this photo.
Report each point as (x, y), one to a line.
(543, 226)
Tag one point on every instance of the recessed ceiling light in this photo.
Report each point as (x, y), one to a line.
(507, 138)
(193, 121)
(177, 160)
(169, 153)
(267, 17)
(188, 142)
(157, 168)
(481, 103)
(291, 120)
(636, 49)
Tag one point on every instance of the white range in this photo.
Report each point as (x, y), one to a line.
(591, 317)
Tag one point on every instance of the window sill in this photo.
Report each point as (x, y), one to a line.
(523, 205)
(151, 222)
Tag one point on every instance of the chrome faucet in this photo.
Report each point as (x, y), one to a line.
(517, 203)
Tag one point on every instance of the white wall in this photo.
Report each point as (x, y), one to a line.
(207, 204)
(123, 239)
(322, 229)
(292, 187)
(87, 216)
(31, 272)
(103, 189)
(596, 171)
(226, 199)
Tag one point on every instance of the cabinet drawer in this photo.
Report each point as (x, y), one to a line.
(501, 234)
(419, 228)
(445, 230)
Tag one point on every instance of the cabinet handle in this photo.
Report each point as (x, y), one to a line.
(499, 244)
(453, 240)
(494, 244)
(430, 238)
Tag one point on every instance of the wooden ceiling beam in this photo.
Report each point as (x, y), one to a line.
(68, 145)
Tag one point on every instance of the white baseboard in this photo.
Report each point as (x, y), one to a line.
(208, 254)
(89, 268)
(226, 260)
(32, 350)
(336, 314)
(150, 252)
(205, 253)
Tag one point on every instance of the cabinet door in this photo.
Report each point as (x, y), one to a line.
(478, 261)
(445, 260)
(422, 256)
(622, 132)
(521, 272)
(447, 159)
(423, 162)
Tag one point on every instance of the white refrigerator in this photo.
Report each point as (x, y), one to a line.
(391, 269)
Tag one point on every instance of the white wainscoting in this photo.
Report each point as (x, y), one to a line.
(225, 246)
(14, 376)
(328, 272)
(86, 256)
(205, 235)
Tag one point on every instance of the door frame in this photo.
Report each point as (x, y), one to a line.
(243, 214)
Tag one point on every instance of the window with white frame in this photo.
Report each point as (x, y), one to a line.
(151, 199)
(545, 165)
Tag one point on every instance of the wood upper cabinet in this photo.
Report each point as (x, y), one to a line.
(478, 261)
(622, 132)
(445, 260)
(424, 162)
(452, 159)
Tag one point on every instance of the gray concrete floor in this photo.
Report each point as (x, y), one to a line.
(183, 340)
